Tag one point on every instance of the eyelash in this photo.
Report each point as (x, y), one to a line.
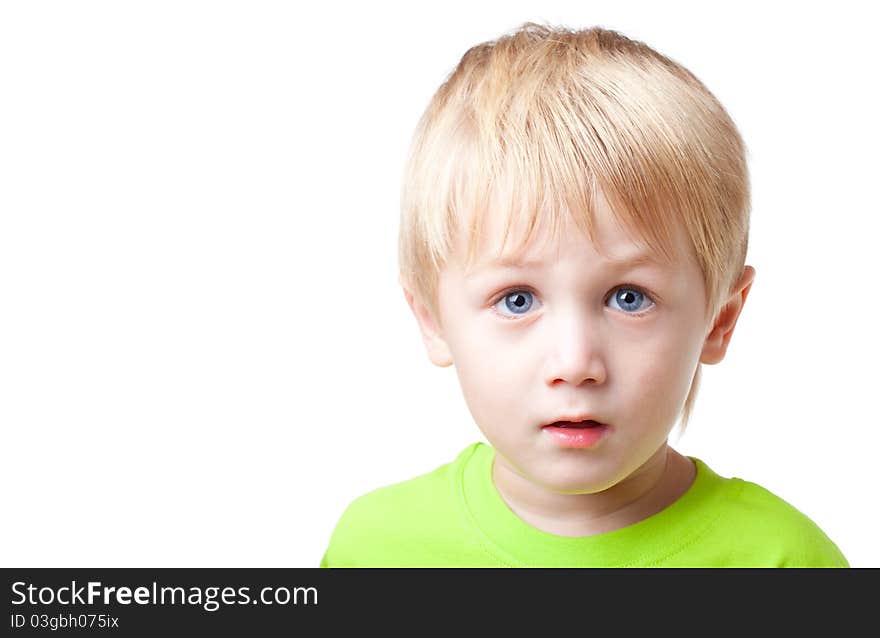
(649, 295)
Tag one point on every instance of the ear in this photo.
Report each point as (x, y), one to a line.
(715, 346)
(438, 350)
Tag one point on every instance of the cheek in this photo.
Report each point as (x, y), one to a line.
(493, 376)
(663, 378)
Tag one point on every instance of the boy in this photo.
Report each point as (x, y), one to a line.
(623, 184)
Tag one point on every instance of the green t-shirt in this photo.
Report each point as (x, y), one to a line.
(454, 517)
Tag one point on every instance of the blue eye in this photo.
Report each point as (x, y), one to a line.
(628, 299)
(631, 300)
(517, 302)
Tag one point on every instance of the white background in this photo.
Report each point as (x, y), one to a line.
(204, 352)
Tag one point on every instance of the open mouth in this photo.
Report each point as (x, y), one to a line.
(578, 424)
(577, 434)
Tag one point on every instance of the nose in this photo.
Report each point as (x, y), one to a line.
(576, 351)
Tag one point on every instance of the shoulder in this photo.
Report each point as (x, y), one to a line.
(775, 530)
(405, 497)
(414, 508)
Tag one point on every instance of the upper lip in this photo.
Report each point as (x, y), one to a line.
(577, 418)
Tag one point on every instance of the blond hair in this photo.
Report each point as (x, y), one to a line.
(535, 121)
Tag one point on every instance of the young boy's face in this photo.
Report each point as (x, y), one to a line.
(575, 336)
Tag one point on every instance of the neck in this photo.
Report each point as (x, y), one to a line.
(658, 483)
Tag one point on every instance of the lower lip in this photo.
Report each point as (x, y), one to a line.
(576, 437)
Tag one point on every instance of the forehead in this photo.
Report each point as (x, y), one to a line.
(538, 240)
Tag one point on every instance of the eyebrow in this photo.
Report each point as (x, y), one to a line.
(516, 264)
